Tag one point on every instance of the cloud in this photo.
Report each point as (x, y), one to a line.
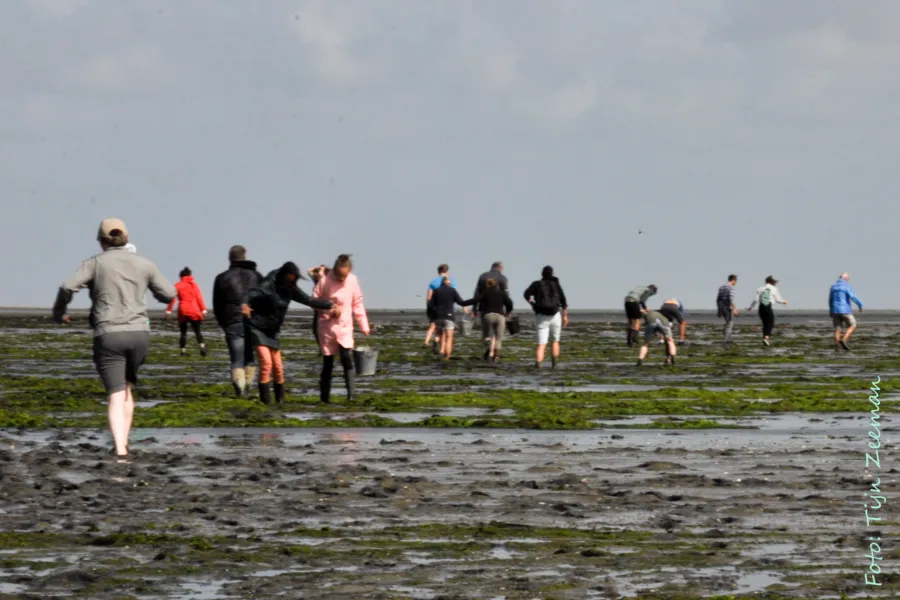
(58, 9)
(138, 68)
(329, 31)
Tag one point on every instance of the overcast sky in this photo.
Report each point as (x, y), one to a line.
(756, 137)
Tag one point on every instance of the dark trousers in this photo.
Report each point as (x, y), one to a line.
(767, 316)
(183, 327)
(240, 346)
(346, 356)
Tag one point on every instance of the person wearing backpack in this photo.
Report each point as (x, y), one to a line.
(551, 313)
(764, 297)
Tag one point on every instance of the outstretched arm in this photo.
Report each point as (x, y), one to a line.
(161, 288)
(81, 279)
(298, 295)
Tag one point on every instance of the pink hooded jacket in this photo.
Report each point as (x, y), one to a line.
(347, 296)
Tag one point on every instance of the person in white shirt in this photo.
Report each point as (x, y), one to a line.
(764, 297)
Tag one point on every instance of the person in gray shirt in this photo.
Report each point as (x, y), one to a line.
(118, 281)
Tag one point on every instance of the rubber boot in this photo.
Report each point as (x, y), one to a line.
(630, 336)
(249, 372)
(239, 382)
(265, 393)
(350, 382)
(279, 393)
(325, 390)
(202, 349)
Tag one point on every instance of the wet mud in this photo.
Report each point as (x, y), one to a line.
(739, 473)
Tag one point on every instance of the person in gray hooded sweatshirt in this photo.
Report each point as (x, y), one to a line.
(118, 281)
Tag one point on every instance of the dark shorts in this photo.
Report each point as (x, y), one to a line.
(671, 312)
(118, 355)
(432, 316)
(633, 309)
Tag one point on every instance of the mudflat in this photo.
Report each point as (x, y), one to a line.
(740, 472)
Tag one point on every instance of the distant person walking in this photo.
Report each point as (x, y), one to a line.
(315, 274)
(341, 287)
(726, 307)
(495, 273)
(435, 284)
(441, 304)
(656, 324)
(551, 314)
(496, 307)
(673, 310)
(230, 288)
(266, 306)
(118, 281)
(635, 306)
(764, 297)
(191, 310)
(840, 302)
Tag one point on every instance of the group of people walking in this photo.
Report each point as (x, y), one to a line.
(249, 307)
(491, 301)
(251, 310)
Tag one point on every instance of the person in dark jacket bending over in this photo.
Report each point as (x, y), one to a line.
(440, 304)
(266, 306)
(229, 290)
(551, 313)
(118, 281)
(635, 307)
(673, 309)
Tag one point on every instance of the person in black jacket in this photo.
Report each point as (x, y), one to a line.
(229, 290)
(441, 306)
(551, 313)
(266, 306)
(495, 306)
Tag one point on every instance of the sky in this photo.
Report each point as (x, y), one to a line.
(623, 143)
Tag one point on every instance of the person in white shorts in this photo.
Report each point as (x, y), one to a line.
(551, 313)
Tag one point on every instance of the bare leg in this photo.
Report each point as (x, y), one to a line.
(554, 350)
(118, 421)
(541, 350)
(644, 350)
(671, 343)
(429, 334)
(129, 413)
(850, 331)
(449, 336)
(443, 338)
(683, 333)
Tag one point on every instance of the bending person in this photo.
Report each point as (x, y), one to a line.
(118, 281)
(341, 287)
(656, 324)
(191, 309)
(266, 306)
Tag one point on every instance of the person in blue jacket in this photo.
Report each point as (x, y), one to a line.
(841, 309)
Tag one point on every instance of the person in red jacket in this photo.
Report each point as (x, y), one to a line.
(191, 309)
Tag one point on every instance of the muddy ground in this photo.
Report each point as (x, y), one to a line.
(738, 473)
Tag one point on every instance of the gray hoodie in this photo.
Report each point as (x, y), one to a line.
(118, 282)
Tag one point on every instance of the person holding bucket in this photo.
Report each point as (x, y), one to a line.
(341, 287)
(266, 306)
(441, 305)
(495, 306)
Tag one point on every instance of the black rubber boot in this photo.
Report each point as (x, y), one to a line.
(265, 393)
(350, 382)
(279, 392)
(630, 335)
(325, 390)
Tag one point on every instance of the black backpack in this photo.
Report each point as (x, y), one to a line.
(547, 302)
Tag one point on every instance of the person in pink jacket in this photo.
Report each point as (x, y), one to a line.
(336, 333)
